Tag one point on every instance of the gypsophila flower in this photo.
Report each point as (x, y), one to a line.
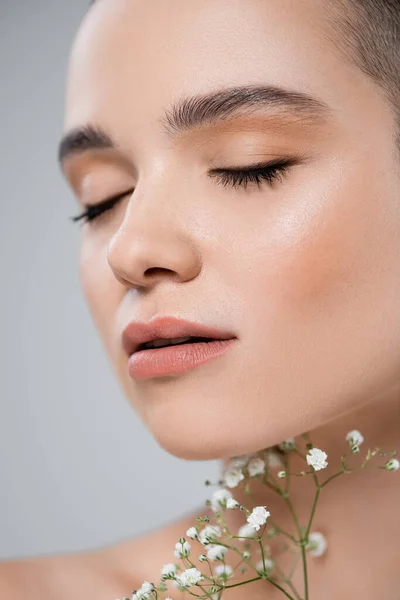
(144, 592)
(289, 444)
(209, 534)
(317, 459)
(168, 571)
(392, 465)
(224, 571)
(269, 565)
(317, 543)
(232, 503)
(192, 533)
(282, 474)
(246, 554)
(256, 467)
(220, 498)
(355, 438)
(182, 550)
(239, 461)
(233, 476)
(190, 577)
(246, 531)
(274, 459)
(258, 517)
(202, 558)
(217, 553)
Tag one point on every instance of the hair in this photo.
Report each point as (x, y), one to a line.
(369, 32)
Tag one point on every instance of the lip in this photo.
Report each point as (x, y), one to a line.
(137, 333)
(175, 360)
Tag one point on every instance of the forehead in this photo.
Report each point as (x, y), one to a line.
(134, 57)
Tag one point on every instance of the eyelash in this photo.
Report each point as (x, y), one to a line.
(235, 178)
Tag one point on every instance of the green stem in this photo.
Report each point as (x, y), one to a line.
(287, 580)
(257, 579)
(291, 537)
(305, 573)
(321, 485)
(314, 506)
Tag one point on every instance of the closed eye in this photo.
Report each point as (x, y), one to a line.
(256, 174)
(235, 178)
(95, 210)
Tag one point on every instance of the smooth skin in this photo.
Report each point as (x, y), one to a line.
(305, 271)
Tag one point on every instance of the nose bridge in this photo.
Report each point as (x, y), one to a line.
(153, 240)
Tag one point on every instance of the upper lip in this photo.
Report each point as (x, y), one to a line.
(137, 333)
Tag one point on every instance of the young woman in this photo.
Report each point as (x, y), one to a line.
(237, 166)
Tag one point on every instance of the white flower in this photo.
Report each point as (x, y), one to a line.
(224, 571)
(233, 476)
(246, 554)
(258, 517)
(239, 461)
(202, 558)
(269, 565)
(182, 550)
(190, 577)
(355, 438)
(220, 498)
(392, 465)
(192, 533)
(317, 459)
(282, 474)
(256, 467)
(209, 534)
(168, 571)
(289, 444)
(317, 543)
(274, 459)
(144, 592)
(246, 531)
(232, 503)
(217, 553)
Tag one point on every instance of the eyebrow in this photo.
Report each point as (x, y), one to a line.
(191, 112)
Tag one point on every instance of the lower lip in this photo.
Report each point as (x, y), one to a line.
(173, 360)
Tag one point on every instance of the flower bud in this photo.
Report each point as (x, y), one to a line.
(392, 465)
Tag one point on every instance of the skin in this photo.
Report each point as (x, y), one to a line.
(305, 272)
(313, 299)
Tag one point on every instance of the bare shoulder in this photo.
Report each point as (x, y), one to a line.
(141, 559)
(79, 576)
(105, 574)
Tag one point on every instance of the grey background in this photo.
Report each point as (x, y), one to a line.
(78, 469)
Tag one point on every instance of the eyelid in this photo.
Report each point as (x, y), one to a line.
(108, 200)
(261, 164)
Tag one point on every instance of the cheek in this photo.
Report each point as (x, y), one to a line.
(339, 244)
(326, 297)
(100, 289)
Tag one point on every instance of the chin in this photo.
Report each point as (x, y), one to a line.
(207, 444)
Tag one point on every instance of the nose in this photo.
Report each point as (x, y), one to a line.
(153, 244)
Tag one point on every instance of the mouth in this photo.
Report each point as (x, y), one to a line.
(161, 343)
(168, 331)
(165, 357)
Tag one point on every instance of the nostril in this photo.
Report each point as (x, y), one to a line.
(157, 271)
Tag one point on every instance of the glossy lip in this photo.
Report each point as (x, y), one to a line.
(137, 333)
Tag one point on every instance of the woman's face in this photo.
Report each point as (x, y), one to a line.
(304, 270)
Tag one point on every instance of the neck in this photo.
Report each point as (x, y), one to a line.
(357, 512)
